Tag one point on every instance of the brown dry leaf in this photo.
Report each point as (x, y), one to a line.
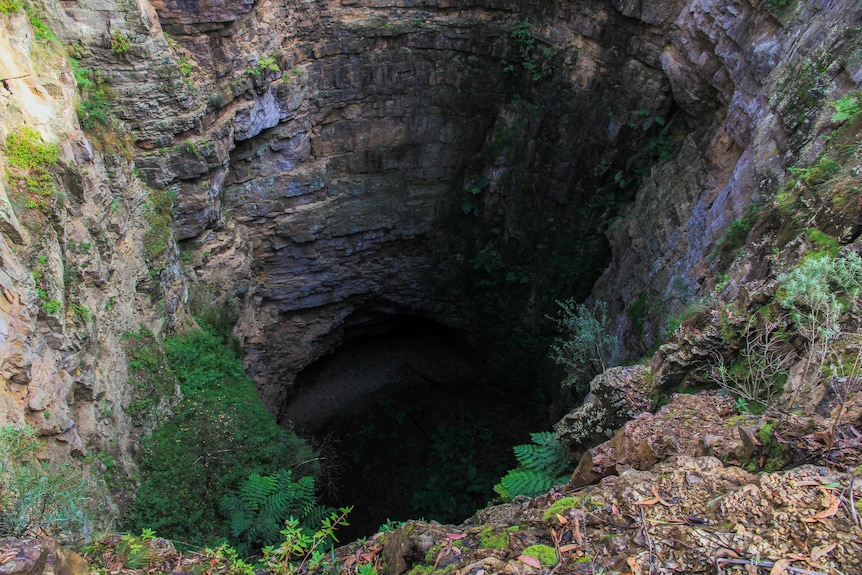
(531, 561)
(562, 519)
(569, 547)
(633, 565)
(654, 500)
(576, 531)
(780, 567)
(835, 502)
(822, 551)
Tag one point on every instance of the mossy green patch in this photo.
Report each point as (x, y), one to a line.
(560, 507)
(491, 538)
(825, 245)
(546, 554)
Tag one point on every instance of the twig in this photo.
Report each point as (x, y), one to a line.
(768, 564)
(645, 529)
(853, 502)
(14, 77)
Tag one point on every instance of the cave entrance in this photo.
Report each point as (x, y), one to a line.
(412, 423)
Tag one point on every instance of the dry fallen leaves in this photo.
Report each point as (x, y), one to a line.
(834, 503)
(654, 500)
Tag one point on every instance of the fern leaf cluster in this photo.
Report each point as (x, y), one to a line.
(541, 465)
(258, 510)
(545, 454)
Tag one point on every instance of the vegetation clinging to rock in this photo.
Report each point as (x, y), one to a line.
(584, 343)
(218, 435)
(37, 499)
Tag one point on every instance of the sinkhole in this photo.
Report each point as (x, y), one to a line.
(411, 422)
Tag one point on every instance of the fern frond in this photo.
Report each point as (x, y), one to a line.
(255, 489)
(526, 482)
(315, 515)
(545, 455)
(544, 438)
(263, 503)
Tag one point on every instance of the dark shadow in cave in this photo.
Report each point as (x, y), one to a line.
(414, 421)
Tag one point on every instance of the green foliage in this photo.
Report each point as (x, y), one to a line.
(536, 60)
(470, 205)
(737, 233)
(185, 65)
(637, 311)
(301, 552)
(225, 554)
(119, 43)
(35, 498)
(94, 106)
(847, 108)
(491, 538)
(31, 162)
(824, 244)
(217, 315)
(544, 454)
(819, 290)
(584, 342)
(758, 374)
(134, 551)
(218, 435)
(52, 306)
(159, 217)
(456, 481)
(817, 173)
(258, 509)
(263, 66)
(524, 482)
(27, 151)
(82, 312)
(10, 6)
(151, 379)
(40, 29)
(546, 554)
(541, 465)
(778, 6)
(560, 506)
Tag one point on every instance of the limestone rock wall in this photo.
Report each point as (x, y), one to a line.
(322, 157)
(755, 87)
(74, 279)
(324, 179)
(320, 152)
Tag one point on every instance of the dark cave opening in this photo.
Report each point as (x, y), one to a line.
(412, 424)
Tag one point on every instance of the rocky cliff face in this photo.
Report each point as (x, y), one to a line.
(336, 164)
(754, 87)
(74, 276)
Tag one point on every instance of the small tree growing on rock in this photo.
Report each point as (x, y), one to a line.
(584, 343)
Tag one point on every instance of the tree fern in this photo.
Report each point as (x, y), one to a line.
(258, 509)
(541, 465)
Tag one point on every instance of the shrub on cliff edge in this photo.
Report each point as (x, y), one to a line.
(37, 499)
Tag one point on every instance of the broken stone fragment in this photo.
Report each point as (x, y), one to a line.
(39, 557)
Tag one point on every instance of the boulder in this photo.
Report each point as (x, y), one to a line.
(616, 395)
(691, 425)
(39, 557)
